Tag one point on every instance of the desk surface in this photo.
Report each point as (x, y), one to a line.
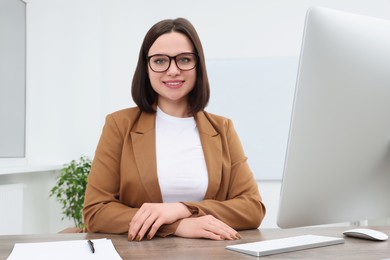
(181, 248)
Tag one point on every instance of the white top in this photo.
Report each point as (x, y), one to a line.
(181, 166)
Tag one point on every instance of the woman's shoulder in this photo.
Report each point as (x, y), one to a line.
(125, 116)
(217, 119)
(220, 123)
(126, 112)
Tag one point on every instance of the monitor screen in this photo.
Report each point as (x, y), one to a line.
(337, 166)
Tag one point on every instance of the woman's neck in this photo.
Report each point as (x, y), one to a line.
(174, 109)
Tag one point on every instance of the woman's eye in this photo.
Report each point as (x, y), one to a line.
(184, 60)
(160, 61)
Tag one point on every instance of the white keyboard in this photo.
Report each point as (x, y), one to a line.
(283, 245)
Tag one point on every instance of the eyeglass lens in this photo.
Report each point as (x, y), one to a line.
(161, 63)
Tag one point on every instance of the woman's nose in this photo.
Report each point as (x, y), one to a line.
(173, 69)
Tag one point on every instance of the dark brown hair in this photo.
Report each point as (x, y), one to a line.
(141, 90)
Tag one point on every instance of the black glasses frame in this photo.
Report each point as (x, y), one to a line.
(173, 58)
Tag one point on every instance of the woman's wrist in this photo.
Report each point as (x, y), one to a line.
(184, 210)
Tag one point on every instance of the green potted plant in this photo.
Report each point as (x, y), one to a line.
(70, 189)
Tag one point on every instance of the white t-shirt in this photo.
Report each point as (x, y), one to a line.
(181, 167)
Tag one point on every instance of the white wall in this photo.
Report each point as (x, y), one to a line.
(82, 54)
(63, 80)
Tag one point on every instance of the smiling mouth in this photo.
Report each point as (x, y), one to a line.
(174, 84)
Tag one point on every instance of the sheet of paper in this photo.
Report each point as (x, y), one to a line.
(73, 249)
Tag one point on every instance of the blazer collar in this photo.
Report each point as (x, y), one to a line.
(146, 122)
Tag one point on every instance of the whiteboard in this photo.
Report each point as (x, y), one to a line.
(257, 94)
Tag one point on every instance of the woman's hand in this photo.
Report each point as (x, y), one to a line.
(152, 215)
(206, 227)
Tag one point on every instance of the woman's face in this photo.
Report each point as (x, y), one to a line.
(173, 85)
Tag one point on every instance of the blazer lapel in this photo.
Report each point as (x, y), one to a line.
(144, 146)
(212, 148)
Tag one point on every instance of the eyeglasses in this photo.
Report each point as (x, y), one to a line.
(161, 62)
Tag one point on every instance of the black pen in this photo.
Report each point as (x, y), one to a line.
(90, 243)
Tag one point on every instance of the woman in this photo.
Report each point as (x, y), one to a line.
(167, 167)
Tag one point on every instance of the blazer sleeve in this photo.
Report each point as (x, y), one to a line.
(238, 202)
(103, 211)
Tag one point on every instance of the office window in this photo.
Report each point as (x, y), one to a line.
(12, 78)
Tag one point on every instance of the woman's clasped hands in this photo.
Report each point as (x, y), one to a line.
(151, 216)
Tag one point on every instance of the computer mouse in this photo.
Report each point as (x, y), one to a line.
(366, 233)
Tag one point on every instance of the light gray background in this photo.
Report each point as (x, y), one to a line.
(257, 94)
(12, 78)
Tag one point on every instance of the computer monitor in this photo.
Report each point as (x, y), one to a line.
(337, 165)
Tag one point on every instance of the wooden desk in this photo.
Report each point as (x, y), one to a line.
(181, 248)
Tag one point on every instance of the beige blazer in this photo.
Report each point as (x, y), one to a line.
(124, 175)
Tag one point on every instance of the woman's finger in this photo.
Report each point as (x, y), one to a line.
(136, 224)
(218, 227)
